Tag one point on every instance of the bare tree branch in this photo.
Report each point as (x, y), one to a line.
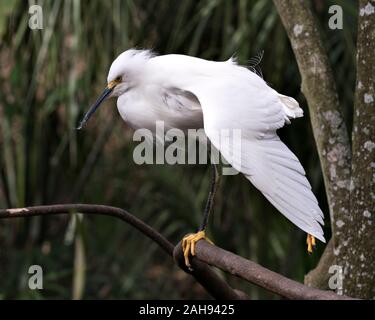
(218, 288)
(256, 274)
(206, 253)
(91, 209)
(327, 120)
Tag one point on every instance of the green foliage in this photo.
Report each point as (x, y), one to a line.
(49, 78)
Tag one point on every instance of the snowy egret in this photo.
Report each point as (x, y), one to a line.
(189, 92)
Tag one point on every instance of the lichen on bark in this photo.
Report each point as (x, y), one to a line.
(358, 258)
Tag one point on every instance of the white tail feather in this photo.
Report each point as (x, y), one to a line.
(291, 107)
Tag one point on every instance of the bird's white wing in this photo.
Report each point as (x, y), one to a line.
(246, 103)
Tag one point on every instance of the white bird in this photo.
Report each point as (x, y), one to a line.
(188, 92)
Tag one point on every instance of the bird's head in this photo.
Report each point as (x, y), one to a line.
(124, 74)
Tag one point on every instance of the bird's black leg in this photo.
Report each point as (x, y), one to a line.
(189, 241)
(211, 195)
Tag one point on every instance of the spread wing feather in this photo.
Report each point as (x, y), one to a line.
(258, 111)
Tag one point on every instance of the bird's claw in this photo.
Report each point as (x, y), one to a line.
(310, 243)
(188, 245)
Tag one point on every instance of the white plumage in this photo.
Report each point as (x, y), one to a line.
(188, 92)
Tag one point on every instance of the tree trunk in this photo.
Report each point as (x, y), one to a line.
(350, 184)
(329, 128)
(357, 253)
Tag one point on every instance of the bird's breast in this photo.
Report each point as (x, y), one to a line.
(144, 108)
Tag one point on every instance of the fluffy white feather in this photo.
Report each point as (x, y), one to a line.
(181, 90)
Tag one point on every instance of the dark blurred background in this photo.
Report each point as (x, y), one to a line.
(49, 77)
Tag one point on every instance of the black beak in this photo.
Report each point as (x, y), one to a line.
(107, 91)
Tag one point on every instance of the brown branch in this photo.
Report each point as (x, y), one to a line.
(256, 274)
(329, 128)
(206, 254)
(218, 288)
(91, 209)
(199, 272)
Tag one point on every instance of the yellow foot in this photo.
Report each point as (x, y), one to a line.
(189, 242)
(310, 243)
